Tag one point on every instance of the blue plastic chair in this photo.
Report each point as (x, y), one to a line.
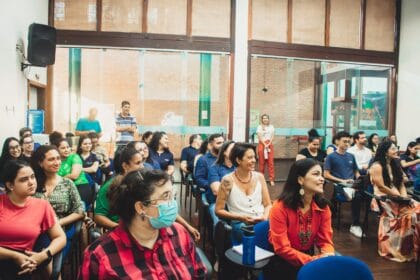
(335, 267)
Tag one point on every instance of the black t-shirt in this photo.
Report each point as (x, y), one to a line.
(319, 157)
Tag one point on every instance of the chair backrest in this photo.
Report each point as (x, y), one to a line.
(335, 267)
(261, 235)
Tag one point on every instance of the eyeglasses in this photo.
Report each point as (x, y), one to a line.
(17, 147)
(30, 142)
(166, 197)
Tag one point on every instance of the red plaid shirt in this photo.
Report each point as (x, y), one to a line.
(119, 256)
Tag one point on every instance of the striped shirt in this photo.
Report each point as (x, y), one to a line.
(128, 121)
(119, 256)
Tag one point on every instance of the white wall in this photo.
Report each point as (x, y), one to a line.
(408, 96)
(16, 16)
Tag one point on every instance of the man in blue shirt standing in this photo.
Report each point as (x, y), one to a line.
(126, 125)
(341, 168)
(207, 160)
(90, 124)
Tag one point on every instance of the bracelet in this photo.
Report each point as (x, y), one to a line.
(50, 256)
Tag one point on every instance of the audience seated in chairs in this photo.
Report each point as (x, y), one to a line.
(11, 151)
(361, 153)
(313, 149)
(27, 144)
(160, 153)
(105, 163)
(60, 192)
(71, 168)
(410, 162)
(341, 168)
(143, 149)
(300, 220)
(147, 244)
(243, 191)
(399, 226)
(188, 154)
(23, 219)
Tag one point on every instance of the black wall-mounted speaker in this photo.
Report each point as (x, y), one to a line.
(41, 44)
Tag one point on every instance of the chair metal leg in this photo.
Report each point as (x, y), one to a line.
(338, 215)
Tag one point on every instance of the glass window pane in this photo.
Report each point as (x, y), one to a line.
(167, 16)
(75, 14)
(211, 18)
(122, 15)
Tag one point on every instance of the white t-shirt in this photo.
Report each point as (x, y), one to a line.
(362, 156)
(267, 132)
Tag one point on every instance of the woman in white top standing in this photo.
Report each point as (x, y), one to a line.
(265, 132)
(244, 191)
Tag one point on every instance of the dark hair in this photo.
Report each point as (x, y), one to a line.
(313, 133)
(418, 140)
(342, 134)
(23, 130)
(123, 156)
(23, 138)
(124, 102)
(5, 154)
(39, 156)
(264, 115)
(203, 148)
(290, 195)
(58, 142)
(357, 134)
(221, 156)
(136, 186)
(410, 145)
(11, 169)
(55, 136)
(380, 157)
(193, 137)
(154, 143)
(132, 144)
(239, 150)
(214, 136)
(370, 142)
(146, 135)
(92, 135)
(79, 145)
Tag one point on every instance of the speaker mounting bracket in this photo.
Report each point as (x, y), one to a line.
(23, 66)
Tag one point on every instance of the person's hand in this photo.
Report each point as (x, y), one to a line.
(248, 220)
(258, 219)
(195, 233)
(323, 255)
(37, 257)
(348, 181)
(25, 263)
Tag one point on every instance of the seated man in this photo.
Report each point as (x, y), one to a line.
(340, 167)
(188, 154)
(361, 153)
(207, 160)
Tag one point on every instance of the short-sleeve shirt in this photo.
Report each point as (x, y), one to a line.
(363, 156)
(85, 124)
(163, 159)
(266, 131)
(66, 166)
(128, 121)
(90, 160)
(118, 255)
(65, 199)
(188, 154)
(216, 173)
(102, 202)
(21, 226)
(342, 166)
(319, 157)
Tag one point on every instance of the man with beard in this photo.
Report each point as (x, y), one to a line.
(361, 153)
(207, 160)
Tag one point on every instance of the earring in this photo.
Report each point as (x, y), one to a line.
(142, 216)
(301, 191)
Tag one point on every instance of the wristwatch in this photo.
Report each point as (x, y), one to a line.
(50, 256)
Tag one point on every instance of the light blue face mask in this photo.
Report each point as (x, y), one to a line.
(168, 211)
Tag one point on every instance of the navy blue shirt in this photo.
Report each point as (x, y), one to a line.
(342, 166)
(216, 173)
(202, 170)
(188, 154)
(164, 159)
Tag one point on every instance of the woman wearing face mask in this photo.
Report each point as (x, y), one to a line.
(399, 226)
(127, 160)
(300, 220)
(147, 244)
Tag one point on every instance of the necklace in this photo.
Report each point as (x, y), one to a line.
(305, 224)
(242, 181)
